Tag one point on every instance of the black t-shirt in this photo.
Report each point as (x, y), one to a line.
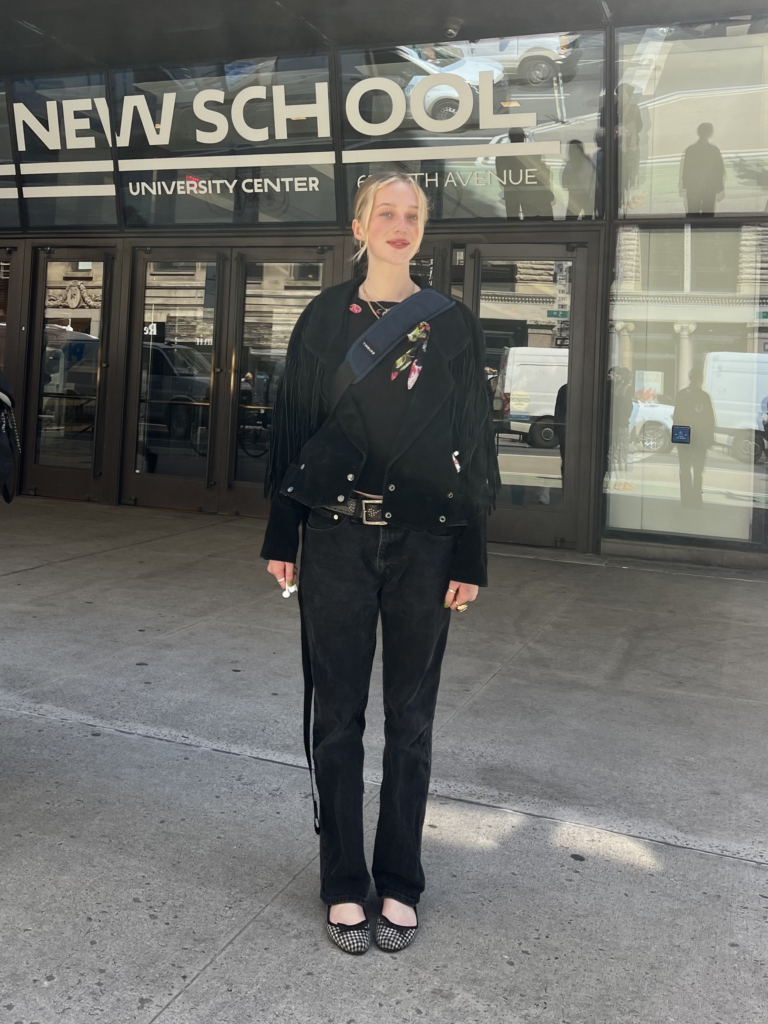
(382, 402)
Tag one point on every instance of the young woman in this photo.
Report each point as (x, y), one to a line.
(393, 488)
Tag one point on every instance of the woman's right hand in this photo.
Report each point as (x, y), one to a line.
(284, 572)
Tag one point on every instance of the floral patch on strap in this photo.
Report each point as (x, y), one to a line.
(354, 308)
(418, 338)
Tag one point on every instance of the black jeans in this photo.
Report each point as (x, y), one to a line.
(351, 574)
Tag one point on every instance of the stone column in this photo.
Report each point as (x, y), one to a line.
(624, 332)
(684, 354)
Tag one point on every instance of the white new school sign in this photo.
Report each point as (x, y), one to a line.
(69, 123)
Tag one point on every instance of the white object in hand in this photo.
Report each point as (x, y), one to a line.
(290, 588)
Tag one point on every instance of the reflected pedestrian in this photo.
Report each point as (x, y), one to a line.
(578, 180)
(527, 182)
(620, 379)
(388, 461)
(694, 409)
(702, 174)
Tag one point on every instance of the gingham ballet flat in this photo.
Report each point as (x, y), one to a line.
(352, 938)
(394, 937)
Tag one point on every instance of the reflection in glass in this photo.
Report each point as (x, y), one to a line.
(689, 384)
(693, 119)
(525, 312)
(275, 296)
(82, 190)
(176, 368)
(9, 201)
(69, 368)
(534, 102)
(223, 117)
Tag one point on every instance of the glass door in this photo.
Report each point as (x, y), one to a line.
(68, 370)
(211, 330)
(177, 362)
(531, 302)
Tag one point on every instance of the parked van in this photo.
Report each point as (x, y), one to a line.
(526, 391)
(737, 382)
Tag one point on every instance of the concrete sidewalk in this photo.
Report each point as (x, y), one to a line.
(595, 846)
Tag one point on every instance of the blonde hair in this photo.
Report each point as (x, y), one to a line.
(367, 193)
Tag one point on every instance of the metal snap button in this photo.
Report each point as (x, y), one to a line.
(391, 487)
(290, 489)
(350, 476)
(335, 517)
(340, 497)
(442, 519)
(450, 494)
(301, 466)
(387, 515)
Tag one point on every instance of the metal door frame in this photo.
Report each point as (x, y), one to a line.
(534, 525)
(240, 497)
(218, 491)
(59, 481)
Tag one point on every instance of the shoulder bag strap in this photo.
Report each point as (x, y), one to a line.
(382, 336)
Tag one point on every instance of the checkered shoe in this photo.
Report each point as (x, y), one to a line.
(394, 937)
(352, 938)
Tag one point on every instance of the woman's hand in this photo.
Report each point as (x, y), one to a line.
(459, 595)
(284, 573)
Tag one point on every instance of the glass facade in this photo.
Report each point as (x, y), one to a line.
(71, 336)
(688, 380)
(275, 295)
(238, 144)
(510, 137)
(176, 368)
(63, 135)
(525, 310)
(692, 108)
(499, 128)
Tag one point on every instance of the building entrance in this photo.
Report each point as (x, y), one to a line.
(531, 299)
(209, 337)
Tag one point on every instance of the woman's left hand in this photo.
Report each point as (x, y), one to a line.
(459, 595)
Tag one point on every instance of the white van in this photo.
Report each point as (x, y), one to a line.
(526, 391)
(737, 382)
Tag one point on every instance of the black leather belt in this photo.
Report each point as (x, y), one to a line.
(367, 510)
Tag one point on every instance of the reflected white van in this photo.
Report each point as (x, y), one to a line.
(526, 392)
(737, 383)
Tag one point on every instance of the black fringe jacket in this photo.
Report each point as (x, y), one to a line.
(315, 459)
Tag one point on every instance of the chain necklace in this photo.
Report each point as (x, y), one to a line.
(382, 309)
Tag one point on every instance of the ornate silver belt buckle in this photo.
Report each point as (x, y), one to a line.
(369, 513)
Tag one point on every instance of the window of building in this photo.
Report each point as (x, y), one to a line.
(692, 108)
(492, 129)
(688, 384)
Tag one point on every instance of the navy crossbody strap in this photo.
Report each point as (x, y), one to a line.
(382, 336)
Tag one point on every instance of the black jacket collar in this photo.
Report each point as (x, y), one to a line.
(325, 335)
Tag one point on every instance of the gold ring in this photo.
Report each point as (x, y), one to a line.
(461, 607)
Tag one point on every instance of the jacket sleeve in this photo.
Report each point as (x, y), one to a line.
(297, 414)
(470, 559)
(475, 422)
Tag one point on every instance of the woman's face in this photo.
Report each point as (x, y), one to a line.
(394, 231)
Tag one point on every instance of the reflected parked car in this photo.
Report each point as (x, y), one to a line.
(408, 65)
(650, 425)
(535, 60)
(176, 384)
